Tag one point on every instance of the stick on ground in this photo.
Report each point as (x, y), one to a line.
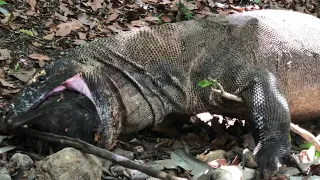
(97, 151)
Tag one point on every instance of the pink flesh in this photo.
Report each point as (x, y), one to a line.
(76, 83)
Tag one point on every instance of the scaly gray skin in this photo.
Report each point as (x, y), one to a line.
(270, 58)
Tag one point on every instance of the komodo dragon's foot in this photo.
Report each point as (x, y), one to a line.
(270, 157)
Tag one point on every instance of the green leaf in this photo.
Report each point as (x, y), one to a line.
(2, 2)
(204, 83)
(289, 136)
(317, 154)
(16, 67)
(257, 1)
(189, 15)
(27, 32)
(305, 145)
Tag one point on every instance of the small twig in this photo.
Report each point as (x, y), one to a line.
(97, 151)
(225, 94)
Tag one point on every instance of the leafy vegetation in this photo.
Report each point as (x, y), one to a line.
(207, 82)
(27, 32)
(2, 2)
(186, 14)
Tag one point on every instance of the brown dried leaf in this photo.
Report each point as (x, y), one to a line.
(66, 28)
(14, 26)
(65, 9)
(1, 73)
(7, 92)
(190, 6)
(82, 35)
(32, 12)
(32, 4)
(49, 36)
(166, 2)
(151, 19)
(36, 44)
(118, 26)
(166, 19)
(83, 18)
(113, 28)
(23, 75)
(94, 24)
(211, 3)
(61, 17)
(41, 63)
(131, 27)
(146, 1)
(53, 29)
(96, 4)
(139, 23)
(112, 17)
(39, 57)
(78, 42)
(6, 84)
(237, 8)
(63, 32)
(18, 14)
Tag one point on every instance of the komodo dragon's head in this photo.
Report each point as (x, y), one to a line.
(60, 75)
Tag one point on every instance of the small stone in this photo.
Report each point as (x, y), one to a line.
(23, 161)
(221, 174)
(5, 177)
(69, 163)
(139, 149)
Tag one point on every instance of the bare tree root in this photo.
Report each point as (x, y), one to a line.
(97, 151)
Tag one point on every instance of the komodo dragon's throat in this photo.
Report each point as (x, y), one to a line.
(270, 58)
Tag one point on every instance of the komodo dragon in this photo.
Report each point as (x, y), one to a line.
(270, 58)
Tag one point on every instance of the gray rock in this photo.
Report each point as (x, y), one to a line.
(5, 177)
(22, 161)
(69, 163)
(234, 172)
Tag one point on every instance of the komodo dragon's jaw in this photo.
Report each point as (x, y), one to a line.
(53, 78)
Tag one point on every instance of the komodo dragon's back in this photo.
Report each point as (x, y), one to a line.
(270, 58)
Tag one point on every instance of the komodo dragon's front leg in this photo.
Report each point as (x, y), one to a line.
(268, 112)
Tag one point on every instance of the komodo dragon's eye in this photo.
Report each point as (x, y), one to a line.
(41, 78)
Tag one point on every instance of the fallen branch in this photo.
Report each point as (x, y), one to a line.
(102, 153)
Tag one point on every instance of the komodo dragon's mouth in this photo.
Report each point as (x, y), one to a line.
(76, 83)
